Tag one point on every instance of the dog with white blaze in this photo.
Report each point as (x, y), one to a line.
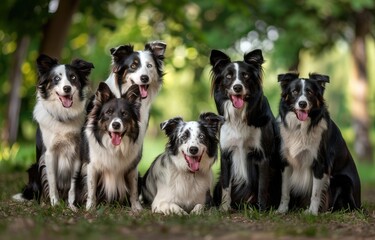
(318, 169)
(109, 171)
(249, 171)
(62, 94)
(180, 180)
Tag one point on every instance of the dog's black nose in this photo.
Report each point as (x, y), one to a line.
(67, 89)
(144, 78)
(302, 104)
(116, 125)
(193, 150)
(237, 88)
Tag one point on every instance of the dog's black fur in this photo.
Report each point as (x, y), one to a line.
(304, 114)
(248, 173)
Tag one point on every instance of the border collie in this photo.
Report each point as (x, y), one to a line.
(318, 164)
(62, 94)
(110, 134)
(142, 68)
(180, 180)
(248, 138)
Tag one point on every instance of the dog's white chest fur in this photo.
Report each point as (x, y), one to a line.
(236, 136)
(300, 146)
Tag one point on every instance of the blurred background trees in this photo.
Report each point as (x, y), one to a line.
(326, 36)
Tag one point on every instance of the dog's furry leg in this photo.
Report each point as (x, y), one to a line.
(318, 187)
(198, 209)
(91, 187)
(263, 190)
(225, 169)
(51, 163)
(132, 179)
(73, 183)
(285, 190)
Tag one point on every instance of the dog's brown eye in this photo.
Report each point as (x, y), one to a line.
(109, 112)
(73, 77)
(228, 76)
(201, 136)
(133, 66)
(246, 76)
(294, 92)
(309, 92)
(124, 114)
(184, 137)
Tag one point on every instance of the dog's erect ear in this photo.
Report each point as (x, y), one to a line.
(254, 57)
(133, 94)
(218, 58)
(45, 63)
(321, 79)
(170, 125)
(156, 47)
(83, 66)
(103, 93)
(212, 121)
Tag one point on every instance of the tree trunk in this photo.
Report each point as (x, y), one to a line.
(56, 30)
(10, 132)
(359, 86)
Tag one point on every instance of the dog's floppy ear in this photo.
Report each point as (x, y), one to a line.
(45, 63)
(285, 78)
(103, 93)
(170, 125)
(83, 66)
(319, 78)
(133, 94)
(212, 121)
(218, 58)
(156, 47)
(254, 57)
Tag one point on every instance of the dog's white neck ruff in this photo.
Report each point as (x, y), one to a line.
(300, 146)
(238, 137)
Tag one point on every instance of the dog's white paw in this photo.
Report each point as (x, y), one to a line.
(198, 209)
(282, 209)
(73, 208)
(90, 204)
(168, 209)
(18, 198)
(225, 207)
(312, 211)
(136, 207)
(54, 200)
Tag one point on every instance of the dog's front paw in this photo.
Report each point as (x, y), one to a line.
(136, 207)
(225, 207)
(168, 209)
(282, 209)
(198, 209)
(90, 204)
(54, 200)
(312, 211)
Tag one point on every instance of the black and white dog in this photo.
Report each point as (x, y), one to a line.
(318, 164)
(110, 137)
(248, 138)
(180, 180)
(62, 94)
(142, 68)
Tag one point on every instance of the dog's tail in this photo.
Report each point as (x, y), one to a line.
(33, 189)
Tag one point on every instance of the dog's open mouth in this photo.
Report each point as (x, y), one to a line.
(193, 162)
(237, 101)
(67, 100)
(302, 115)
(116, 138)
(143, 90)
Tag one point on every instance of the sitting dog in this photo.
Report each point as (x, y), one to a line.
(179, 180)
(62, 94)
(248, 138)
(110, 162)
(317, 161)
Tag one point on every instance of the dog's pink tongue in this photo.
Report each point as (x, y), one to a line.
(116, 138)
(66, 101)
(193, 163)
(237, 101)
(143, 90)
(302, 115)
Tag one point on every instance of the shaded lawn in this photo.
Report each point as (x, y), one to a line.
(33, 221)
